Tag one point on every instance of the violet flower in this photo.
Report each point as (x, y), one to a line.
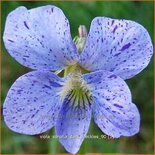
(95, 68)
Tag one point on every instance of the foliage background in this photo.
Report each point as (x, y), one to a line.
(141, 86)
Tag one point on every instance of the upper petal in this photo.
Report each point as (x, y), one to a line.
(40, 38)
(32, 103)
(120, 46)
(113, 109)
(73, 123)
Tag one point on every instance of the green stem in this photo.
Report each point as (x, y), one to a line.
(53, 144)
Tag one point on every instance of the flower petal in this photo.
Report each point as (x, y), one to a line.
(72, 125)
(32, 103)
(113, 110)
(40, 38)
(119, 122)
(123, 47)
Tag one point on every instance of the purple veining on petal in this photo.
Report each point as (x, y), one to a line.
(54, 84)
(73, 122)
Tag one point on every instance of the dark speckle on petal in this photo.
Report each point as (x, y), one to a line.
(114, 29)
(117, 54)
(126, 46)
(54, 84)
(112, 22)
(119, 106)
(11, 40)
(47, 86)
(26, 25)
(113, 76)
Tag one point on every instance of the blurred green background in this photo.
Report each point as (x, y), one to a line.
(141, 86)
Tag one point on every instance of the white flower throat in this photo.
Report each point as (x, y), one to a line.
(76, 89)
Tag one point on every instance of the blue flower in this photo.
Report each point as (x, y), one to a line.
(95, 67)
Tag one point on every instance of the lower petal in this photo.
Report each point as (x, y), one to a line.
(72, 125)
(32, 103)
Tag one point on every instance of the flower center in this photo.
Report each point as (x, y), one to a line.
(79, 42)
(76, 90)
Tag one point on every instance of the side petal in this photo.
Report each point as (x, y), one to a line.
(73, 124)
(40, 38)
(32, 103)
(113, 110)
(123, 122)
(123, 47)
